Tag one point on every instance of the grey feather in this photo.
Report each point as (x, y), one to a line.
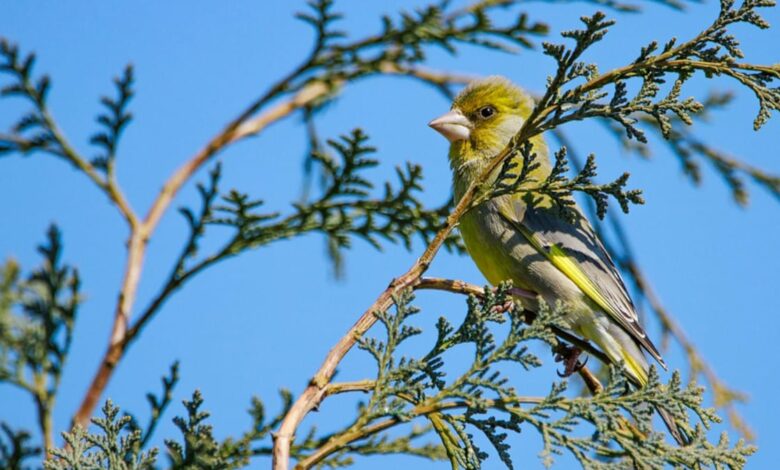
(579, 241)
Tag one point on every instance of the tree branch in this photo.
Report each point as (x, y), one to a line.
(238, 129)
(345, 439)
(122, 332)
(466, 288)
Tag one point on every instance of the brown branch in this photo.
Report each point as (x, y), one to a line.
(344, 387)
(43, 400)
(318, 386)
(340, 441)
(462, 287)
(45, 422)
(466, 288)
(315, 391)
(118, 340)
(245, 125)
(240, 128)
(107, 185)
(424, 409)
(591, 381)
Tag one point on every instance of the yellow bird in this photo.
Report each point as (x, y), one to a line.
(535, 247)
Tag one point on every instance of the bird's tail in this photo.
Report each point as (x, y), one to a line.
(620, 347)
(677, 431)
(637, 370)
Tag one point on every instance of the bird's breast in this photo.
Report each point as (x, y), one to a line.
(501, 253)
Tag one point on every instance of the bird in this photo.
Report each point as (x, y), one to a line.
(534, 246)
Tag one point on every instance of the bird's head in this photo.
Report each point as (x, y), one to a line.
(483, 117)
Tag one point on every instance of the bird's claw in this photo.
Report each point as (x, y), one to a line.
(506, 307)
(569, 355)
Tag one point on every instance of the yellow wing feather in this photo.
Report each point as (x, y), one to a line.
(572, 270)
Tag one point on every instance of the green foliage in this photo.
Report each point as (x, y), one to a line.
(401, 42)
(691, 150)
(713, 52)
(397, 48)
(241, 448)
(119, 443)
(35, 124)
(576, 92)
(615, 444)
(558, 187)
(16, 448)
(200, 449)
(115, 447)
(345, 209)
(37, 131)
(114, 121)
(157, 406)
(610, 430)
(37, 316)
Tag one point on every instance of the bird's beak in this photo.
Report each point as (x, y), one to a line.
(453, 125)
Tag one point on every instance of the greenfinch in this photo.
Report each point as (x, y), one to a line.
(534, 246)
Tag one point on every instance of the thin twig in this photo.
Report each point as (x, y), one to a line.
(238, 129)
(442, 81)
(345, 387)
(466, 288)
(591, 381)
(463, 287)
(244, 126)
(345, 439)
(65, 150)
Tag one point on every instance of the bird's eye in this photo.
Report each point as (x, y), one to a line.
(486, 112)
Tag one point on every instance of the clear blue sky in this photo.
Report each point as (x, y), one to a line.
(265, 320)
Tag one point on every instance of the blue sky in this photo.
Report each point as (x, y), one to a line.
(265, 320)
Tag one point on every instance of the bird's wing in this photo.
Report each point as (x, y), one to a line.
(577, 252)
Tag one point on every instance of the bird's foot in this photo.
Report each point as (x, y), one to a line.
(570, 357)
(506, 307)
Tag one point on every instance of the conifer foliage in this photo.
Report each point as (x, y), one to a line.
(466, 414)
